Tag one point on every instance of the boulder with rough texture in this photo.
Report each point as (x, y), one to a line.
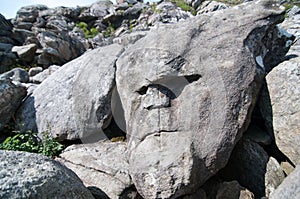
(28, 175)
(16, 74)
(290, 187)
(186, 106)
(283, 96)
(58, 49)
(248, 165)
(26, 52)
(274, 176)
(102, 165)
(74, 102)
(40, 77)
(11, 96)
(6, 26)
(210, 6)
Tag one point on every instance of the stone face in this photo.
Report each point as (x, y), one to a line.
(290, 187)
(187, 141)
(102, 165)
(28, 175)
(74, 102)
(11, 96)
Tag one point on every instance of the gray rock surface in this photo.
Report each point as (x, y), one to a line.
(26, 52)
(102, 165)
(210, 6)
(11, 96)
(274, 176)
(248, 165)
(185, 141)
(233, 190)
(283, 92)
(74, 102)
(290, 187)
(34, 71)
(28, 175)
(16, 74)
(40, 77)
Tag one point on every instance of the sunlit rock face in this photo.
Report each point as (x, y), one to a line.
(188, 90)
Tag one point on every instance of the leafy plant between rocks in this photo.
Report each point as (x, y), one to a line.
(88, 32)
(30, 142)
(110, 30)
(184, 6)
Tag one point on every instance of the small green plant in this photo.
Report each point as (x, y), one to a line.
(184, 6)
(30, 142)
(88, 32)
(110, 30)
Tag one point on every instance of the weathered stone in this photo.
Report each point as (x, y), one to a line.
(274, 176)
(25, 53)
(185, 141)
(6, 26)
(24, 25)
(16, 74)
(231, 190)
(40, 77)
(58, 49)
(28, 175)
(127, 39)
(34, 71)
(102, 165)
(97, 9)
(283, 96)
(4, 47)
(168, 13)
(29, 13)
(11, 96)
(248, 165)
(287, 167)
(74, 102)
(290, 187)
(7, 60)
(210, 6)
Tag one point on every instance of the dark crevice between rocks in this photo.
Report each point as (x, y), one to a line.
(130, 192)
(192, 78)
(116, 129)
(114, 132)
(248, 161)
(97, 193)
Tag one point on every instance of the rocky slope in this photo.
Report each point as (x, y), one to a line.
(209, 104)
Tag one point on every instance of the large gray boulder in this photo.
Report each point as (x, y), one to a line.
(74, 102)
(11, 96)
(102, 165)
(282, 97)
(28, 175)
(186, 106)
(290, 187)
